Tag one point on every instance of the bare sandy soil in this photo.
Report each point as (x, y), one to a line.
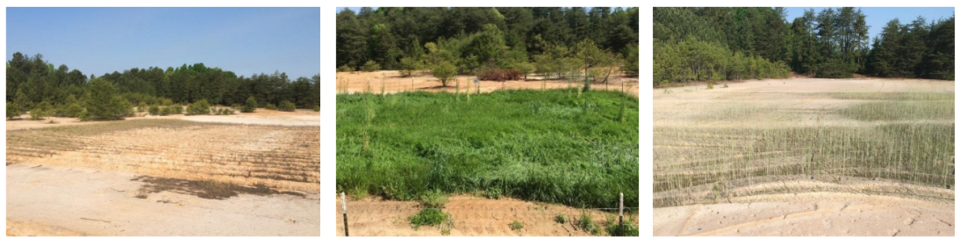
(791, 206)
(810, 214)
(252, 174)
(472, 216)
(259, 117)
(390, 81)
(62, 201)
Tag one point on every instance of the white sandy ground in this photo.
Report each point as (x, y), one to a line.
(838, 213)
(300, 117)
(810, 214)
(90, 202)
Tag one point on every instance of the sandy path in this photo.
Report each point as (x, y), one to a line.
(810, 214)
(77, 201)
(391, 82)
(472, 216)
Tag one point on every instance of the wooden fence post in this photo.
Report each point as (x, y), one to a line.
(620, 229)
(346, 228)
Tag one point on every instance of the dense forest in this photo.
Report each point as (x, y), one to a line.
(709, 44)
(31, 81)
(555, 42)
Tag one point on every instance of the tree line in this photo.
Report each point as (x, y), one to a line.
(31, 81)
(754, 43)
(471, 40)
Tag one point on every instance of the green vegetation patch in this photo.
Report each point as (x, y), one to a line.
(550, 146)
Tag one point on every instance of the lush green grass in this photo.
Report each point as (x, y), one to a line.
(554, 146)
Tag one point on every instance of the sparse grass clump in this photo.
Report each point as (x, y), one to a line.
(516, 225)
(888, 137)
(586, 224)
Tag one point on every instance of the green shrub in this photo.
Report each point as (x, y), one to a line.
(345, 68)
(270, 106)
(370, 66)
(250, 106)
(587, 224)
(69, 110)
(428, 217)
(408, 66)
(628, 228)
(164, 111)
(236, 106)
(13, 111)
(154, 110)
(560, 218)
(444, 72)
(41, 111)
(199, 108)
(516, 225)
(175, 109)
(316, 108)
(433, 199)
(142, 106)
(287, 106)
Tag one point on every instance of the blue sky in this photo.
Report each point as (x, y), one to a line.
(103, 40)
(877, 17)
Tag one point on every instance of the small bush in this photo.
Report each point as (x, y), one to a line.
(250, 106)
(587, 225)
(287, 106)
(444, 72)
(316, 108)
(199, 108)
(428, 217)
(13, 111)
(165, 111)
(271, 107)
(560, 218)
(433, 199)
(175, 109)
(236, 106)
(154, 110)
(142, 106)
(516, 225)
(69, 110)
(345, 68)
(628, 229)
(370, 66)
(41, 111)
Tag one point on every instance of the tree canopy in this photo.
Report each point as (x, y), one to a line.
(474, 39)
(31, 80)
(706, 43)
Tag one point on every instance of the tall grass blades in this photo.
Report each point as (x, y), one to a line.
(496, 143)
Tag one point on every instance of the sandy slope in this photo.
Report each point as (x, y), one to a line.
(810, 214)
(45, 201)
(472, 216)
